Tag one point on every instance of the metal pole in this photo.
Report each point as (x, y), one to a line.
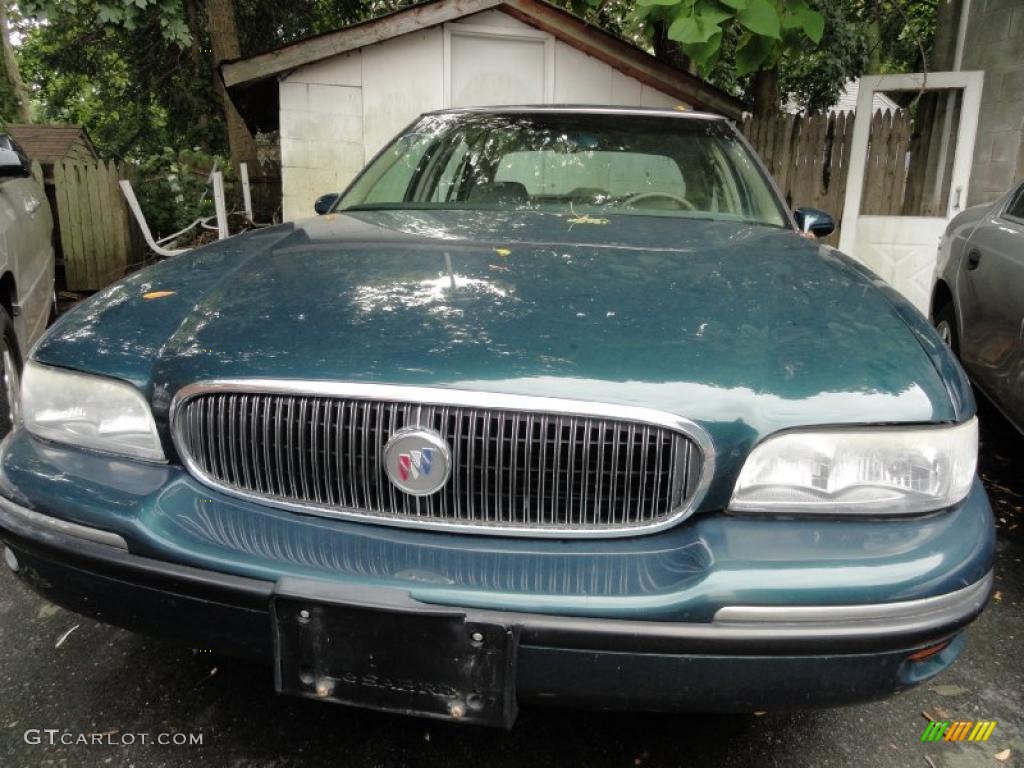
(243, 169)
(218, 203)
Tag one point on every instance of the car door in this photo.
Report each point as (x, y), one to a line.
(28, 252)
(991, 289)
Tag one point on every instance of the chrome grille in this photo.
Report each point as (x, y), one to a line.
(513, 469)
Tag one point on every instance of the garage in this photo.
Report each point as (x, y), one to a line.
(338, 98)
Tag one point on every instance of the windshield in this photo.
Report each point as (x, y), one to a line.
(569, 162)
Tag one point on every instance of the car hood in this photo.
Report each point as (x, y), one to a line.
(742, 328)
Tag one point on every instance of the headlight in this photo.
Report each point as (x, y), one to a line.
(89, 411)
(883, 470)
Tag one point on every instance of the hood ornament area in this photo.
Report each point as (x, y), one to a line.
(418, 461)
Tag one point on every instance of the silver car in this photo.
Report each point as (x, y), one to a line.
(978, 299)
(26, 270)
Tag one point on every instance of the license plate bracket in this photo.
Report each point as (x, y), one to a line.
(396, 655)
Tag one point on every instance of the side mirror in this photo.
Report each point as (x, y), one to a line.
(324, 203)
(11, 165)
(818, 223)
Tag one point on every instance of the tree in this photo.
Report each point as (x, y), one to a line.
(763, 33)
(122, 72)
(220, 17)
(15, 87)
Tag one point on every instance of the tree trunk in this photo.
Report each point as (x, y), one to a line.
(196, 54)
(11, 71)
(220, 18)
(766, 92)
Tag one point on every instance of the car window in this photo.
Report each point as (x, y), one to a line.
(608, 163)
(613, 173)
(1016, 207)
(453, 163)
(389, 175)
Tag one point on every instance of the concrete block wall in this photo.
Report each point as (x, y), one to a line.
(321, 132)
(995, 43)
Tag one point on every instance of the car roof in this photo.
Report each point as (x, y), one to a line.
(593, 109)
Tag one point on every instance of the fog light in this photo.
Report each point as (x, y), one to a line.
(11, 559)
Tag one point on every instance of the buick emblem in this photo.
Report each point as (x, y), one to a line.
(418, 461)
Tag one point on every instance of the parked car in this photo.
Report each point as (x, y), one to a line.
(978, 298)
(552, 404)
(26, 270)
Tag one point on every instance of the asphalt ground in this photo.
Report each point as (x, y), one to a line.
(103, 680)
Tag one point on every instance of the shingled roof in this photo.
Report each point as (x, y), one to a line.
(51, 143)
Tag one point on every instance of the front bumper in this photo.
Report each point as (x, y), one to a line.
(746, 658)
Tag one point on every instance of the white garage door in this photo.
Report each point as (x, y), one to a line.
(485, 68)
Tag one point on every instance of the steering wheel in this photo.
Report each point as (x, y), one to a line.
(641, 196)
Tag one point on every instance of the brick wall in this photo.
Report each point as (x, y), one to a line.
(995, 44)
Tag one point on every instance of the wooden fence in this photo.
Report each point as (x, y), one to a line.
(809, 156)
(97, 235)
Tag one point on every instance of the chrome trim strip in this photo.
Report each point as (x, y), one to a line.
(437, 396)
(63, 526)
(583, 109)
(831, 615)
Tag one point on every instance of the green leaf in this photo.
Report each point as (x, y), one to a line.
(701, 26)
(686, 29)
(739, 5)
(110, 15)
(711, 12)
(813, 25)
(761, 18)
(753, 53)
(704, 54)
(790, 18)
(690, 29)
(658, 2)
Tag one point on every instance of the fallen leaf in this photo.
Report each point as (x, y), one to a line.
(949, 690)
(585, 219)
(997, 596)
(937, 713)
(157, 294)
(502, 251)
(1003, 756)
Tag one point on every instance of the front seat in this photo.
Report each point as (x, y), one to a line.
(505, 194)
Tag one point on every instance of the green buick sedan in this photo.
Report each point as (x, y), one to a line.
(554, 404)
